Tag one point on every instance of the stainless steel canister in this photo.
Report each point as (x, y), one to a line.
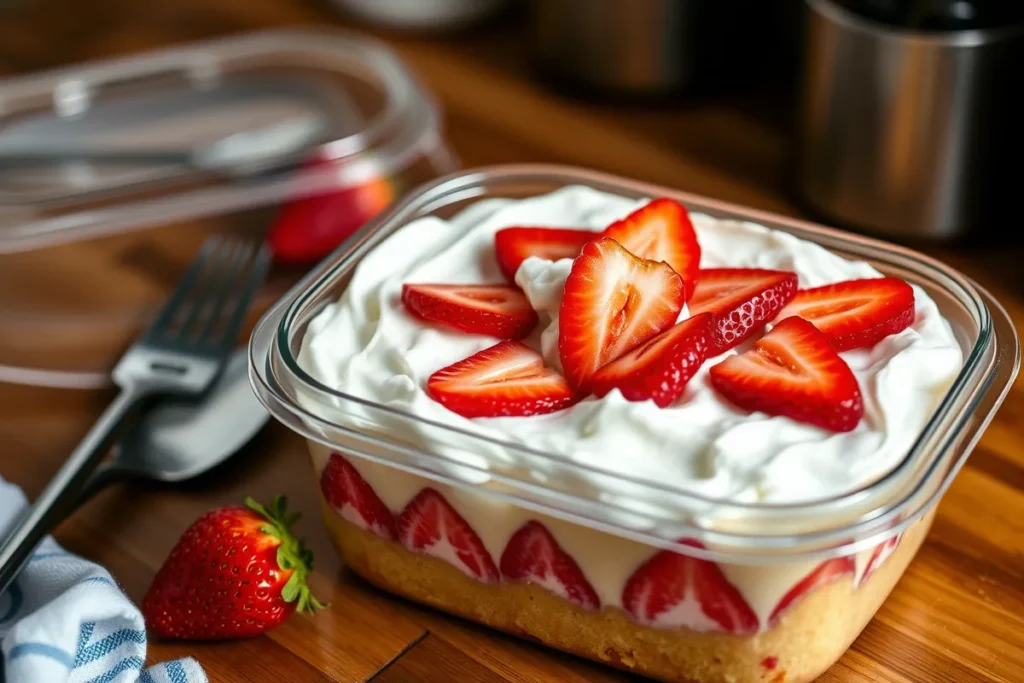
(915, 133)
(654, 46)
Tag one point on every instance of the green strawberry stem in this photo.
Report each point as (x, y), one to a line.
(291, 554)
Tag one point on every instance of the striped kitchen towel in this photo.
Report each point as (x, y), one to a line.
(65, 620)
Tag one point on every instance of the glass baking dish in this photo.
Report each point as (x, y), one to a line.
(793, 547)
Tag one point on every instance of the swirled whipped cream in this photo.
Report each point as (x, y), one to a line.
(368, 346)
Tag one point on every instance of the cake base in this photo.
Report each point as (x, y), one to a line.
(811, 635)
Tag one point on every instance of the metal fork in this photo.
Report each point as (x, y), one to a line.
(180, 355)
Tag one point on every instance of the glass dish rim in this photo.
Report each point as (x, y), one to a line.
(968, 385)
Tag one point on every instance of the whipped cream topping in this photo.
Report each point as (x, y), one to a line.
(368, 346)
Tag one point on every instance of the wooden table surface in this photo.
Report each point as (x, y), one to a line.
(958, 613)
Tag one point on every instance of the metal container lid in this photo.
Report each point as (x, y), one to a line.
(938, 15)
(112, 173)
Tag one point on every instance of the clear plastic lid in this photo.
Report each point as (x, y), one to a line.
(112, 173)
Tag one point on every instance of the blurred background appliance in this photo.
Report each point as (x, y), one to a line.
(657, 46)
(421, 15)
(911, 117)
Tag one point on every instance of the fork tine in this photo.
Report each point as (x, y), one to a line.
(233, 278)
(180, 296)
(239, 306)
(231, 258)
(200, 298)
(220, 283)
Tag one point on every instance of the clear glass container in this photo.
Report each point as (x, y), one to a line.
(123, 181)
(757, 541)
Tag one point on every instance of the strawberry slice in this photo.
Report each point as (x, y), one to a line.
(661, 231)
(494, 310)
(515, 245)
(742, 301)
(672, 590)
(507, 379)
(823, 574)
(430, 525)
(856, 313)
(879, 555)
(659, 368)
(354, 499)
(533, 555)
(612, 303)
(794, 372)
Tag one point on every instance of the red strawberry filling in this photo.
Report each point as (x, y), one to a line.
(879, 555)
(661, 231)
(823, 574)
(793, 371)
(508, 379)
(512, 246)
(660, 368)
(430, 525)
(354, 499)
(533, 555)
(500, 311)
(671, 590)
(741, 300)
(856, 313)
(612, 303)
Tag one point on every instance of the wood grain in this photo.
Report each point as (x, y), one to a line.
(432, 660)
(958, 613)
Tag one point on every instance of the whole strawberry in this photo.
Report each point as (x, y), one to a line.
(236, 572)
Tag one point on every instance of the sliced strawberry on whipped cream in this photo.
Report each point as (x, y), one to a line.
(822, 575)
(500, 311)
(879, 555)
(613, 301)
(508, 379)
(514, 245)
(660, 368)
(661, 231)
(533, 555)
(671, 590)
(430, 525)
(742, 300)
(793, 371)
(856, 313)
(354, 499)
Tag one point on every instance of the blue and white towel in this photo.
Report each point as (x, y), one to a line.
(64, 620)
